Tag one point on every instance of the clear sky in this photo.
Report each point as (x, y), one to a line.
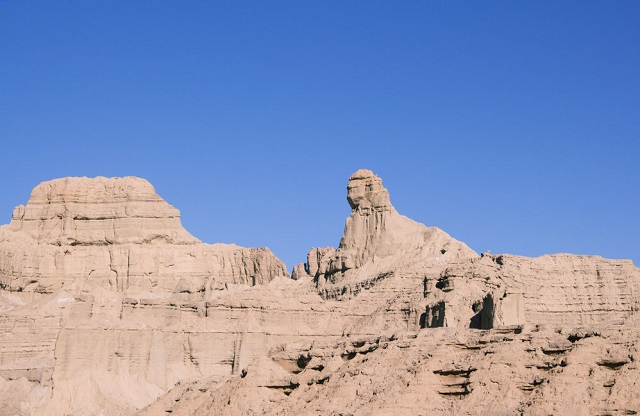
(513, 126)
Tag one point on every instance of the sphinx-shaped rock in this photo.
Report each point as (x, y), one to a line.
(377, 238)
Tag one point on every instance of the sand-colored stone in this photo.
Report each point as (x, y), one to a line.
(99, 211)
(437, 371)
(115, 233)
(109, 307)
(378, 241)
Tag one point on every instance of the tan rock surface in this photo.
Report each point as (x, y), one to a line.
(76, 262)
(439, 371)
(378, 242)
(115, 233)
(99, 211)
(109, 307)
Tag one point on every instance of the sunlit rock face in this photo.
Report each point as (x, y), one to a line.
(108, 306)
(99, 211)
(115, 233)
(365, 191)
(104, 293)
(377, 239)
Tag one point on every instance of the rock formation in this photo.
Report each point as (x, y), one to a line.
(552, 290)
(116, 234)
(108, 306)
(97, 212)
(95, 274)
(378, 241)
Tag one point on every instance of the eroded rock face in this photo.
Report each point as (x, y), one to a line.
(108, 306)
(376, 230)
(553, 290)
(103, 295)
(99, 211)
(365, 192)
(435, 372)
(378, 240)
(115, 233)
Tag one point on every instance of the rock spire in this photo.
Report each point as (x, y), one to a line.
(375, 231)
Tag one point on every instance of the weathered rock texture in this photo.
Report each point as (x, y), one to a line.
(109, 307)
(117, 234)
(553, 290)
(378, 242)
(78, 264)
(99, 211)
(438, 371)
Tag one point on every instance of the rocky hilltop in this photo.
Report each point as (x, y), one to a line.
(377, 241)
(117, 234)
(110, 307)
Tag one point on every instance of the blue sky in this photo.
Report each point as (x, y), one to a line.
(513, 126)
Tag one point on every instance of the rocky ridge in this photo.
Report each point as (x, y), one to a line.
(117, 234)
(110, 307)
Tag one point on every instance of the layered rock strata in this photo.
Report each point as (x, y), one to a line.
(108, 306)
(117, 234)
(438, 371)
(377, 241)
(553, 290)
(103, 294)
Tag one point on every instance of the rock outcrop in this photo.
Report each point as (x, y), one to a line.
(378, 240)
(438, 371)
(99, 212)
(115, 233)
(95, 275)
(553, 290)
(108, 306)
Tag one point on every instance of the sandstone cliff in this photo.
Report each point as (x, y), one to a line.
(77, 263)
(108, 306)
(118, 234)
